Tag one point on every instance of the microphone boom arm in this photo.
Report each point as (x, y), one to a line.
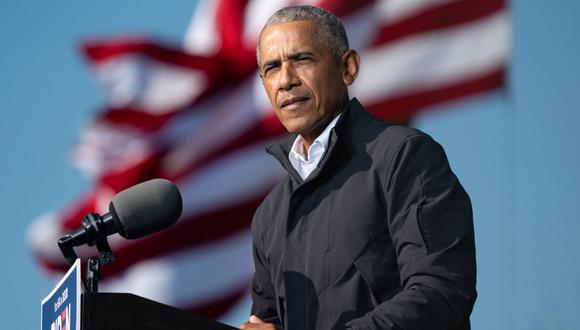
(94, 232)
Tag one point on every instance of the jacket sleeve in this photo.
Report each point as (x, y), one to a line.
(263, 295)
(430, 223)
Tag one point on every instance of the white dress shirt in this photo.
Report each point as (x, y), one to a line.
(305, 162)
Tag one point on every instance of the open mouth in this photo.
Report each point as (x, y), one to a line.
(293, 100)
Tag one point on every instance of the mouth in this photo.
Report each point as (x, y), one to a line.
(288, 103)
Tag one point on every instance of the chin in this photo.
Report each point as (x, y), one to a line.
(293, 130)
(294, 126)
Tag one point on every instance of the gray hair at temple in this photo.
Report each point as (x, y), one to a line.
(331, 33)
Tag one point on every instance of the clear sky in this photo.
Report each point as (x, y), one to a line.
(516, 152)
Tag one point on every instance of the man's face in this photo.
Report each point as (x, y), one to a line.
(303, 81)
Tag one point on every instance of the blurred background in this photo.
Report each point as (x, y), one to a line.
(97, 96)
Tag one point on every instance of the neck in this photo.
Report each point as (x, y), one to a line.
(309, 137)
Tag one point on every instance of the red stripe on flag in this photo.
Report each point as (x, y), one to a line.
(265, 130)
(99, 51)
(151, 167)
(343, 8)
(148, 122)
(402, 109)
(137, 118)
(238, 59)
(438, 17)
(144, 170)
(72, 216)
(222, 69)
(230, 22)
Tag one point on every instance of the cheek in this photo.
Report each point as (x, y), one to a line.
(319, 82)
(333, 86)
(270, 90)
(312, 82)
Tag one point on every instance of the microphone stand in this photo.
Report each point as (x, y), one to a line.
(94, 264)
(93, 274)
(97, 235)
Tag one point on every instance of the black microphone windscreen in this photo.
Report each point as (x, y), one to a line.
(146, 208)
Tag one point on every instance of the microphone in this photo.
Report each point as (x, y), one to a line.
(135, 212)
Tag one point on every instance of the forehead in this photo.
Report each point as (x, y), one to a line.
(287, 37)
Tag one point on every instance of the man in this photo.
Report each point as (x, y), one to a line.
(370, 229)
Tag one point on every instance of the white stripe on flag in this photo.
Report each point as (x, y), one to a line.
(256, 14)
(433, 59)
(107, 147)
(236, 177)
(210, 126)
(42, 235)
(190, 277)
(361, 27)
(394, 10)
(147, 84)
(202, 36)
(104, 147)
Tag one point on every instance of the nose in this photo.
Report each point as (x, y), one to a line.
(288, 76)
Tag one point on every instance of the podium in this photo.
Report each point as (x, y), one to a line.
(124, 311)
(69, 307)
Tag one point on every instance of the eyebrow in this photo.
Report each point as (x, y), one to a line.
(292, 56)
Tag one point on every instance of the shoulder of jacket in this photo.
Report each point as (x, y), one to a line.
(392, 138)
(393, 142)
(399, 133)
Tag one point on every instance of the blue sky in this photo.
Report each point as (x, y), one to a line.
(516, 152)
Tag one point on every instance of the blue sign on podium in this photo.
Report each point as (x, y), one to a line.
(61, 309)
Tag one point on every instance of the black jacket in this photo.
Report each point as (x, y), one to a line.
(379, 236)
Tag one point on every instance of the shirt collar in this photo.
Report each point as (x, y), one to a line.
(318, 146)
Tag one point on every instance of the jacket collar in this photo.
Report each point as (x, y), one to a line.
(353, 119)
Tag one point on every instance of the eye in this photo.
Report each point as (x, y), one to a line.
(270, 69)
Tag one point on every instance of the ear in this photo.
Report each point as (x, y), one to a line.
(350, 63)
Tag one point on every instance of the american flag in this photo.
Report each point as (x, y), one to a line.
(196, 114)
